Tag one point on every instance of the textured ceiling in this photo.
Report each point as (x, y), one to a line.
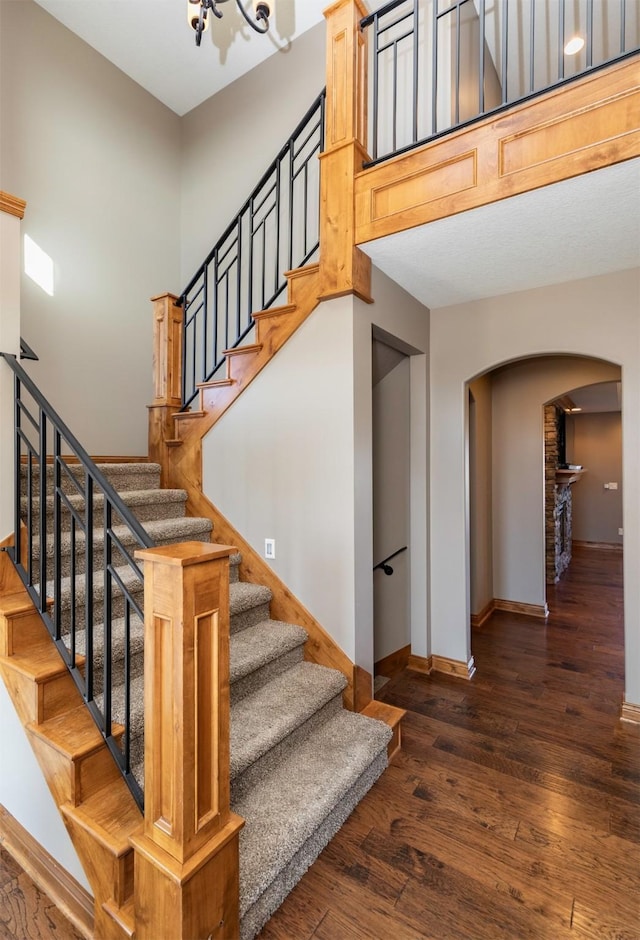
(579, 228)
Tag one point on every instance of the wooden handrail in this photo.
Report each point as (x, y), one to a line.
(186, 854)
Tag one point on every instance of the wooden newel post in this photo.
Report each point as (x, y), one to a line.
(186, 856)
(167, 377)
(344, 268)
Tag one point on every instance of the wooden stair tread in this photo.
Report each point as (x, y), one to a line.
(274, 312)
(218, 383)
(110, 815)
(40, 663)
(243, 350)
(183, 415)
(73, 733)
(391, 715)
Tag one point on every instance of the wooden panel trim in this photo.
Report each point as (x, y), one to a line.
(392, 717)
(630, 712)
(47, 874)
(602, 546)
(515, 607)
(394, 663)
(566, 132)
(454, 667)
(12, 205)
(423, 664)
(477, 620)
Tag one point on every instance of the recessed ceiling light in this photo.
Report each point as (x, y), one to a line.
(574, 45)
(573, 410)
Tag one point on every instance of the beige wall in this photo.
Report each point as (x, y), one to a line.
(520, 391)
(292, 460)
(596, 443)
(97, 160)
(595, 317)
(229, 141)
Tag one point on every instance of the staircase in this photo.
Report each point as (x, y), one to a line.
(300, 762)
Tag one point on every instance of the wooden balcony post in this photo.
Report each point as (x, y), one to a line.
(344, 268)
(186, 855)
(167, 378)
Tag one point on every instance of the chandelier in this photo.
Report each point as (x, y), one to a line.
(197, 11)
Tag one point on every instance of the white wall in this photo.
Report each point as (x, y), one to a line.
(24, 793)
(292, 460)
(97, 160)
(391, 509)
(596, 443)
(229, 141)
(520, 391)
(595, 317)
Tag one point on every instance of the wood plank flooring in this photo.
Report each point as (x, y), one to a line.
(513, 810)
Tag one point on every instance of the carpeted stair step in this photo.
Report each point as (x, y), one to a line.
(118, 650)
(69, 598)
(270, 721)
(122, 476)
(299, 804)
(161, 531)
(234, 567)
(262, 652)
(248, 605)
(146, 505)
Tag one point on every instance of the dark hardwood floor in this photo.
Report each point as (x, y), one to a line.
(513, 810)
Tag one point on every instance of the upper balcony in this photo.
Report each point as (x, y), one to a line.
(461, 103)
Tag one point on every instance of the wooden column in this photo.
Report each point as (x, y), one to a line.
(186, 856)
(344, 268)
(167, 378)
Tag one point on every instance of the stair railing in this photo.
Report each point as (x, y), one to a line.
(65, 501)
(275, 230)
(439, 66)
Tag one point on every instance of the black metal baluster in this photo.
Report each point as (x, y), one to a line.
(561, 39)
(505, 51)
(108, 613)
(42, 520)
(57, 535)
(532, 48)
(89, 585)
(482, 18)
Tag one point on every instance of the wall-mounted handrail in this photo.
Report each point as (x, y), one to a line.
(436, 67)
(275, 231)
(57, 500)
(384, 564)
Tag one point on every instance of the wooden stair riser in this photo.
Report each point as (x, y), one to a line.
(123, 917)
(109, 873)
(36, 699)
(20, 625)
(74, 776)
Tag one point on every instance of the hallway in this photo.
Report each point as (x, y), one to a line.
(513, 810)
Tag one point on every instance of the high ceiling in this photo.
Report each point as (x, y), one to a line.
(151, 41)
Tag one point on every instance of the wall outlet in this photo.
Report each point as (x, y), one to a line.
(613, 486)
(269, 548)
(620, 531)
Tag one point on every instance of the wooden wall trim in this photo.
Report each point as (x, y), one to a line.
(12, 205)
(567, 132)
(477, 620)
(454, 667)
(515, 607)
(423, 664)
(47, 874)
(393, 663)
(630, 712)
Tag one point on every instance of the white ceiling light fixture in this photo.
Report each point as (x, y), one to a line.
(575, 44)
(197, 11)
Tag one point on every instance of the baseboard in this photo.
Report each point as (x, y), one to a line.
(477, 620)
(515, 607)
(52, 879)
(394, 663)
(421, 664)
(454, 667)
(603, 546)
(630, 712)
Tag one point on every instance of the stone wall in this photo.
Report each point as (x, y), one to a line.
(557, 502)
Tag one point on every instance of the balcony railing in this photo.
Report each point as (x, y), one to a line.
(437, 65)
(276, 230)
